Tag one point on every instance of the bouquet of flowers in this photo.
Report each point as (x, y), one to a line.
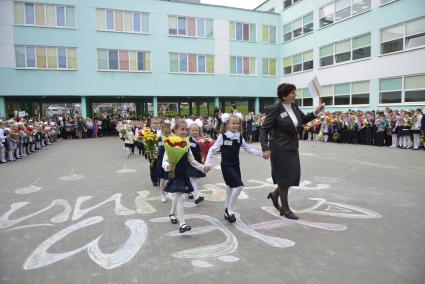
(150, 140)
(175, 147)
(205, 145)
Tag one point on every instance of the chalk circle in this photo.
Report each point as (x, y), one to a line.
(29, 189)
(126, 171)
(71, 177)
(228, 258)
(201, 264)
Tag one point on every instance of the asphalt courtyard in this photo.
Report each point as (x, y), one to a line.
(81, 212)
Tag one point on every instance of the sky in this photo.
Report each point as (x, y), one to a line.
(246, 4)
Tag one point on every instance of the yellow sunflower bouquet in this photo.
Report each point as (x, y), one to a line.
(150, 140)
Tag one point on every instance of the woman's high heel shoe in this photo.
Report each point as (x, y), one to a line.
(288, 214)
(274, 200)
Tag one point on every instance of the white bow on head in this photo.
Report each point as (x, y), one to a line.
(199, 122)
(225, 117)
(189, 122)
(240, 115)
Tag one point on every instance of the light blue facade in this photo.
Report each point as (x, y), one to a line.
(86, 84)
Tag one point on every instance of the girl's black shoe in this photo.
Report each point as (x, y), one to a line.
(184, 228)
(228, 217)
(173, 218)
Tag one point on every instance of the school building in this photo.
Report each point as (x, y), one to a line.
(184, 57)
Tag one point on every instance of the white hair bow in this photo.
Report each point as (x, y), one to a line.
(199, 122)
(225, 117)
(189, 122)
(240, 115)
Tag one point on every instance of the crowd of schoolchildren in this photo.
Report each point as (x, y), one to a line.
(403, 129)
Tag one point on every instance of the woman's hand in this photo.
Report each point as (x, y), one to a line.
(266, 155)
(319, 109)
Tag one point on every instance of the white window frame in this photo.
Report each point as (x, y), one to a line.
(302, 28)
(197, 66)
(187, 27)
(118, 57)
(403, 91)
(404, 24)
(302, 63)
(349, 17)
(351, 52)
(268, 29)
(132, 21)
(242, 74)
(249, 28)
(268, 67)
(45, 16)
(47, 61)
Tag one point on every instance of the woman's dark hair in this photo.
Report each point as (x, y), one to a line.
(285, 89)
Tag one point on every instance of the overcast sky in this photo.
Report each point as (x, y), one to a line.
(246, 4)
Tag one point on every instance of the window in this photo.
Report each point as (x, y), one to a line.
(339, 10)
(346, 51)
(343, 51)
(269, 34)
(403, 37)
(299, 27)
(298, 62)
(42, 57)
(390, 90)
(289, 3)
(307, 99)
(327, 55)
(407, 89)
(383, 2)
(269, 67)
(414, 89)
(360, 93)
(123, 60)
(242, 65)
(342, 94)
(122, 21)
(191, 63)
(327, 94)
(190, 27)
(44, 15)
(361, 47)
(242, 31)
(60, 16)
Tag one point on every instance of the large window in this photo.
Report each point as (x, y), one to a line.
(339, 10)
(298, 62)
(354, 93)
(191, 63)
(269, 34)
(299, 27)
(407, 89)
(242, 31)
(289, 3)
(122, 21)
(269, 67)
(123, 60)
(46, 57)
(345, 51)
(403, 36)
(303, 98)
(44, 15)
(190, 27)
(242, 65)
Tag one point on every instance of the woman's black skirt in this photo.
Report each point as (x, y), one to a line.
(286, 169)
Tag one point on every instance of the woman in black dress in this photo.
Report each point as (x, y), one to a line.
(279, 141)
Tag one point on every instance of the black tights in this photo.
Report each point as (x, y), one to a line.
(282, 191)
